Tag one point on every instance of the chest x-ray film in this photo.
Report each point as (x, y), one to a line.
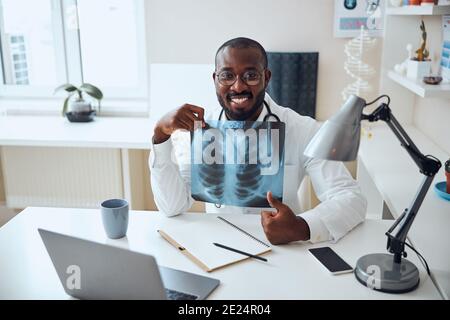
(237, 162)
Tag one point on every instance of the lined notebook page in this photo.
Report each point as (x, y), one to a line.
(198, 237)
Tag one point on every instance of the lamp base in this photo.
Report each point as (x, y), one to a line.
(379, 272)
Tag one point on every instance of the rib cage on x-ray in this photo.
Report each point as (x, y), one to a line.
(216, 178)
(212, 180)
(239, 183)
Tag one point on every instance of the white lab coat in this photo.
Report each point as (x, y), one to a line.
(342, 205)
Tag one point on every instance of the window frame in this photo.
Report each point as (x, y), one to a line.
(29, 91)
(18, 98)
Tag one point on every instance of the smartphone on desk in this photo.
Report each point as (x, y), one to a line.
(331, 260)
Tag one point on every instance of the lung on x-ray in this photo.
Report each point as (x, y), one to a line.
(237, 162)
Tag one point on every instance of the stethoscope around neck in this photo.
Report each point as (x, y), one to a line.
(266, 118)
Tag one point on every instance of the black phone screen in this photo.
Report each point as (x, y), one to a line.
(330, 259)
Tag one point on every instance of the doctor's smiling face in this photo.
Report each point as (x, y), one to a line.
(241, 78)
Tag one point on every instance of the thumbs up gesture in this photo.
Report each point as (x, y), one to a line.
(283, 226)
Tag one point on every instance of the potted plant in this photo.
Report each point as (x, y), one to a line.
(80, 110)
(420, 66)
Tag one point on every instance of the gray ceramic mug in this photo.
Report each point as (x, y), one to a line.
(115, 217)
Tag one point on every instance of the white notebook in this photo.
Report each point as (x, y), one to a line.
(195, 239)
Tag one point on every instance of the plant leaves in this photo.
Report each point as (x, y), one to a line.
(67, 87)
(92, 90)
(66, 102)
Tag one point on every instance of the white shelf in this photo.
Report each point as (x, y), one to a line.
(421, 89)
(103, 132)
(427, 10)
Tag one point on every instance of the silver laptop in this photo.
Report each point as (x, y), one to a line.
(91, 270)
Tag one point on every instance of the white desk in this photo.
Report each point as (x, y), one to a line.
(103, 132)
(291, 273)
(397, 179)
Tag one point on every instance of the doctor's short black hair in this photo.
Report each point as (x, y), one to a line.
(243, 43)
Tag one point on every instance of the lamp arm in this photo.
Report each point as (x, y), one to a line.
(383, 112)
(398, 232)
(428, 166)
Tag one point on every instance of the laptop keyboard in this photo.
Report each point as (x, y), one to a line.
(177, 295)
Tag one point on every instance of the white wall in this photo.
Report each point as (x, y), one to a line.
(432, 117)
(190, 31)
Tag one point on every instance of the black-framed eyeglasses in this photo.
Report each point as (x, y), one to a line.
(250, 77)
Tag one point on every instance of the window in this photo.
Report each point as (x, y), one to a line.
(44, 43)
(111, 43)
(28, 43)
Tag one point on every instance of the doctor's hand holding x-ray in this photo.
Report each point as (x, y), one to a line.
(241, 78)
(182, 118)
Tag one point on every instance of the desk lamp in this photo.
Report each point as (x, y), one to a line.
(338, 139)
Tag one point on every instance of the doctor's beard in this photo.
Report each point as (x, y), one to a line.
(242, 115)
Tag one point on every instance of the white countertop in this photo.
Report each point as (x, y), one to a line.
(290, 273)
(103, 132)
(398, 180)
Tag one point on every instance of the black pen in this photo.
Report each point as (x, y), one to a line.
(239, 251)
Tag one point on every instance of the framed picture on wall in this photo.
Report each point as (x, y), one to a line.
(350, 15)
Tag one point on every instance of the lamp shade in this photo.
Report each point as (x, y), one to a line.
(338, 138)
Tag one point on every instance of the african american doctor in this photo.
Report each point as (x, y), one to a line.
(241, 77)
